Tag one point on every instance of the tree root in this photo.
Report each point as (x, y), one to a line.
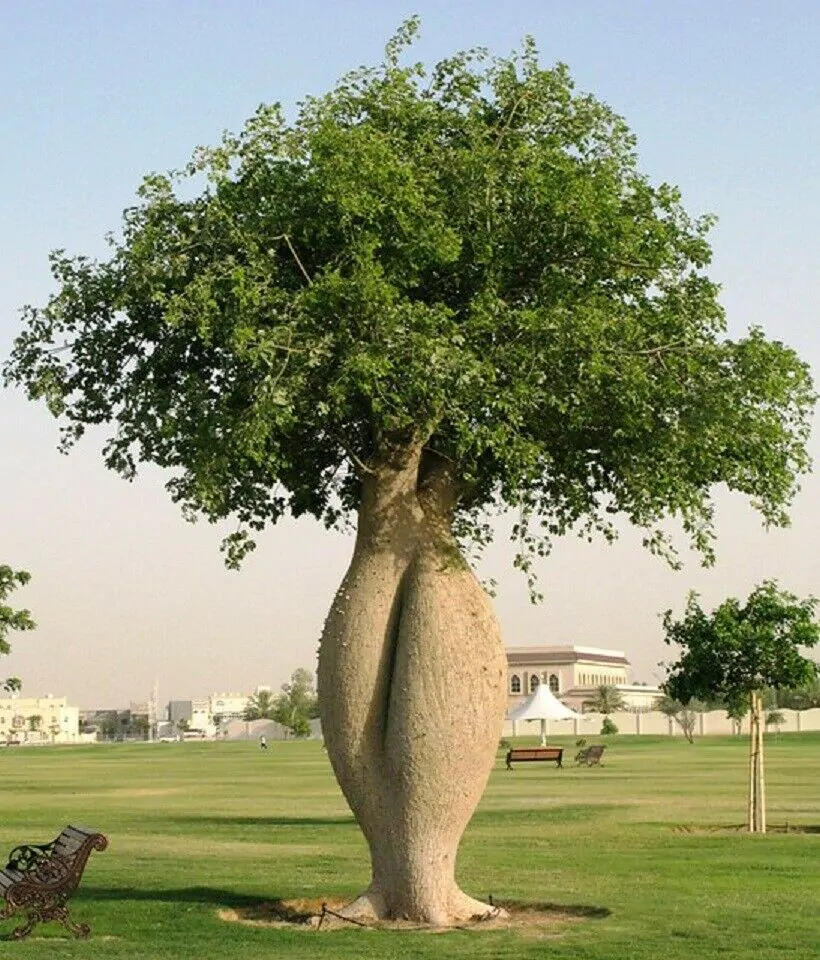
(369, 908)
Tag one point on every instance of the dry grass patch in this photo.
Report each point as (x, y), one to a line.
(314, 915)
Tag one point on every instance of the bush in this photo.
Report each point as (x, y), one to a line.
(608, 727)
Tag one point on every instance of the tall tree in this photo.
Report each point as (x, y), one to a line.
(428, 295)
(11, 619)
(736, 652)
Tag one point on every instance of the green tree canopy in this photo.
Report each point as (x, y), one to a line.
(468, 258)
(741, 648)
(297, 705)
(261, 706)
(606, 699)
(11, 619)
(800, 698)
(738, 651)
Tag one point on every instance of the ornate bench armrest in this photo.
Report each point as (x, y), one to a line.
(24, 857)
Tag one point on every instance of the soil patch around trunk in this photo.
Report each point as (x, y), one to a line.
(542, 919)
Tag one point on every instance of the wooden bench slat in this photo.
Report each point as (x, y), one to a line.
(8, 877)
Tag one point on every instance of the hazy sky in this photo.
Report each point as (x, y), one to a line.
(725, 100)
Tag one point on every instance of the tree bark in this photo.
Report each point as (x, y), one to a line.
(411, 691)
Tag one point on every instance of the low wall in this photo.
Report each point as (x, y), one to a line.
(654, 722)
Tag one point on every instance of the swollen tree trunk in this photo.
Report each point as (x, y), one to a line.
(411, 691)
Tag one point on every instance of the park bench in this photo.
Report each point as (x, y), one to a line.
(526, 754)
(590, 756)
(39, 879)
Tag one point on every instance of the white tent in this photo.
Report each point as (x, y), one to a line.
(543, 705)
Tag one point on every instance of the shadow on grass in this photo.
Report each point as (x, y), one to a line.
(582, 911)
(298, 911)
(203, 895)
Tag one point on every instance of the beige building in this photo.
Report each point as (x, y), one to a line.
(572, 674)
(38, 720)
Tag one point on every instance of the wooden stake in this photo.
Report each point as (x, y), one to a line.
(750, 819)
(761, 789)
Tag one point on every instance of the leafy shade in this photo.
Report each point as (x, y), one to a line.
(467, 258)
(742, 648)
(11, 619)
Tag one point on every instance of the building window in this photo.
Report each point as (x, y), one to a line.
(554, 685)
(515, 683)
(534, 683)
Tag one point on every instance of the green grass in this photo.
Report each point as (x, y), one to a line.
(196, 827)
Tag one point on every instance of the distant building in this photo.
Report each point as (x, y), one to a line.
(195, 713)
(228, 706)
(210, 714)
(38, 720)
(573, 674)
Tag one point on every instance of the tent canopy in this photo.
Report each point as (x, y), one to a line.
(542, 704)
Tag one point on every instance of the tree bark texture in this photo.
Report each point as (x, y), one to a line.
(411, 691)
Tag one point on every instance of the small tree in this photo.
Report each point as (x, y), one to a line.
(297, 705)
(11, 619)
(141, 726)
(35, 722)
(775, 719)
(685, 716)
(606, 699)
(218, 719)
(736, 652)
(261, 706)
(109, 727)
(608, 727)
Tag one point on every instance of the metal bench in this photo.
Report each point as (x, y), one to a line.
(555, 754)
(590, 756)
(39, 879)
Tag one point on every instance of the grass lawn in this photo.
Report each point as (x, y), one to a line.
(197, 827)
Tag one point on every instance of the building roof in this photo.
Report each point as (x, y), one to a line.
(564, 654)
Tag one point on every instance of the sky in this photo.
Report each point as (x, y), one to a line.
(723, 97)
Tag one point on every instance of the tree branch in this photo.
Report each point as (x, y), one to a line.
(295, 255)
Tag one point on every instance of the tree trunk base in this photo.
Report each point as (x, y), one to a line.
(371, 907)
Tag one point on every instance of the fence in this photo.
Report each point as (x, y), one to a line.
(654, 722)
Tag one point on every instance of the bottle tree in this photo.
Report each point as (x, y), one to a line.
(735, 653)
(428, 295)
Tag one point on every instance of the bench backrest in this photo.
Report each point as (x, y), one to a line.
(535, 753)
(75, 842)
(57, 865)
